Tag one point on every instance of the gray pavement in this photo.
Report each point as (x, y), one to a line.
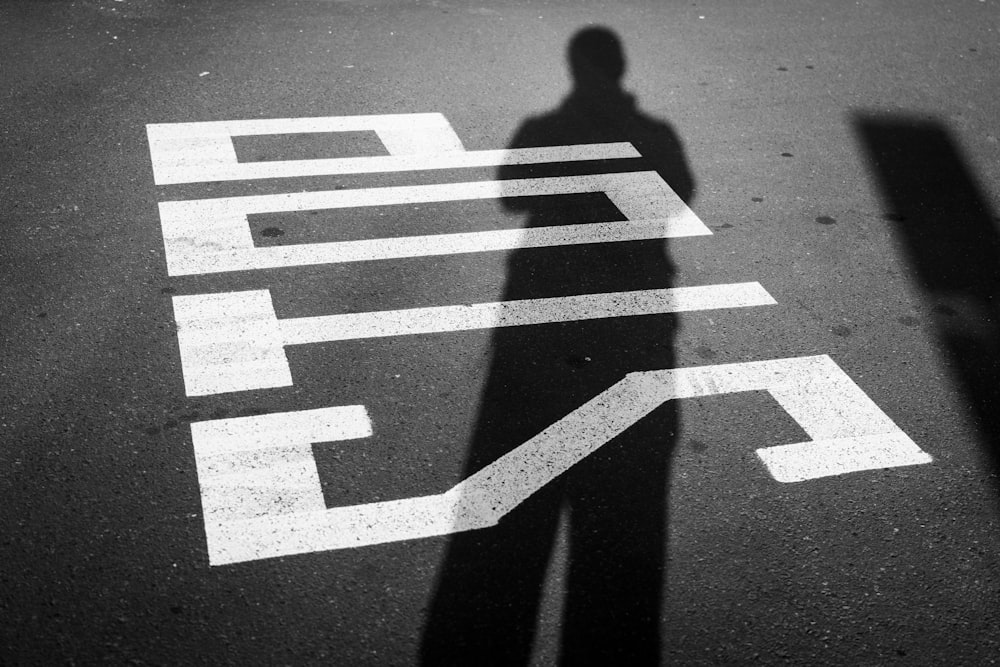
(844, 156)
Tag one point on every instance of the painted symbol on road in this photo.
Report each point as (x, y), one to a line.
(203, 152)
(233, 341)
(260, 488)
(213, 235)
(262, 496)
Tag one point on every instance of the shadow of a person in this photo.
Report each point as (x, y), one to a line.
(488, 593)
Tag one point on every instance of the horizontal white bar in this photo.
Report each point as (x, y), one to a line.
(641, 189)
(392, 163)
(203, 151)
(234, 341)
(440, 319)
(803, 461)
(212, 235)
(223, 437)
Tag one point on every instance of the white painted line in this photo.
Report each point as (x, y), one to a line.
(234, 342)
(837, 456)
(441, 319)
(391, 163)
(198, 152)
(213, 235)
(203, 152)
(271, 504)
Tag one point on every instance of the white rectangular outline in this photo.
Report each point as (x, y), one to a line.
(204, 236)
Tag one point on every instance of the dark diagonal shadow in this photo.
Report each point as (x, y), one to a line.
(948, 233)
(486, 603)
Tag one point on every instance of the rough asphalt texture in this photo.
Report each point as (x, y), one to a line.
(844, 154)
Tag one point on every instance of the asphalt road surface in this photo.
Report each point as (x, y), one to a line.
(373, 332)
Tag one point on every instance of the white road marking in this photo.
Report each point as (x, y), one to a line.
(392, 163)
(230, 342)
(262, 466)
(262, 497)
(233, 341)
(203, 152)
(213, 235)
(260, 488)
(442, 319)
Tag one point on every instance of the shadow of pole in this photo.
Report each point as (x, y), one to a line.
(949, 236)
(488, 593)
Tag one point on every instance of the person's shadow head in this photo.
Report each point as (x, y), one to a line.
(598, 109)
(596, 60)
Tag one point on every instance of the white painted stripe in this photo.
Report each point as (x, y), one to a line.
(636, 190)
(339, 252)
(441, 319)
(233, 341)
(837, 456)
(242, 171)
(197, 152)
(203, 152)
(224, 437)
(849, 433)
(213, 235)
